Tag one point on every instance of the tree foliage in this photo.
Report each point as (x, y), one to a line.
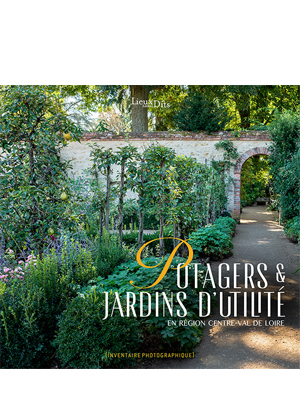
(255, 180)
(33, 179)
(198, 113)
(253, 106)
(247, 106)
(284, 161)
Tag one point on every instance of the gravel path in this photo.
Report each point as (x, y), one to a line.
(259, 239)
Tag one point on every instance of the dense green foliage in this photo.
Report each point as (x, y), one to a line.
(29, 308)
(255, 180)
(33, 181)
(214, 241)
(248, 106)
(131, 216)
(67, 223)
(61, 238)
(108, 253)
(292, 229)
(197, 113)
(173, 190)
(30, 305)
(84, 338)
(253, 106)
(284, 161)
(23, 342)
(226, 224)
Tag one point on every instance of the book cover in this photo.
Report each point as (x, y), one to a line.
(170, 249)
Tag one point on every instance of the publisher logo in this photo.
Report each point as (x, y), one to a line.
(149, 103)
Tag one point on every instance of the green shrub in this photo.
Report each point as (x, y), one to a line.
(31, 305)
(108, 253)
(130, 213)
(84, 337)
(29, 312)
(178, 337)
(288, 186)
(76, 262)
(292, 229)
(211, 241)
(130, 238)
(285, 161)
(226, 224)
(151, 221)
(22, 340)
(30, 308)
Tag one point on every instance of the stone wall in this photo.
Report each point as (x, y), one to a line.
(198, 145)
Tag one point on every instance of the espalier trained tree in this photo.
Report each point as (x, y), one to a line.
(103, 160)
(33, 179)
(201, 195)
(136, 182)
(183, 214)
(124, 155)
(160, 184)
(178, 190)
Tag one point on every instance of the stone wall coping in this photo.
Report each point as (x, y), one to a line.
(166, 135)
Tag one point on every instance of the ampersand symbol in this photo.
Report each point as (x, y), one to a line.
(280, 275)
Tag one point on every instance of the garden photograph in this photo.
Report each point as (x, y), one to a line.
(149, 226)
(149, 200)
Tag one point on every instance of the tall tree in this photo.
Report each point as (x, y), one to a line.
(138, 105)
(253, 105)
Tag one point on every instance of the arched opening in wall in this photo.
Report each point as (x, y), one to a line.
(251, 179)
(255, 181)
